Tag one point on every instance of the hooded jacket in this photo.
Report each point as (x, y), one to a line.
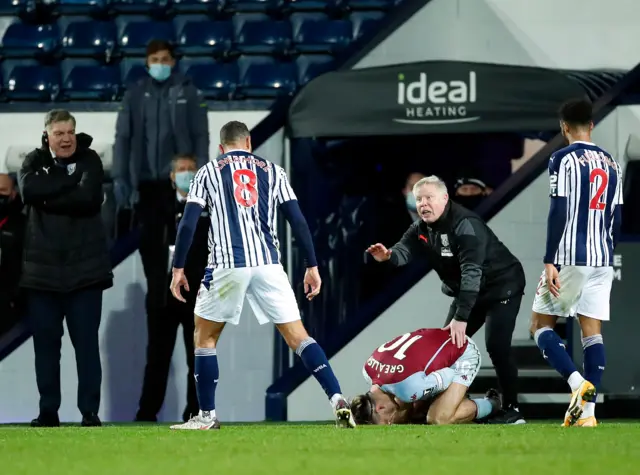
(65, 247)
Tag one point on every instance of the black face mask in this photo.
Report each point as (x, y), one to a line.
(469, 202)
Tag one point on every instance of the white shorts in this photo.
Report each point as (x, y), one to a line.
(467, 366)
(267, 289)
(583, 290)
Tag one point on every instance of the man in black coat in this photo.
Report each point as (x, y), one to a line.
(476, 268)
(66, 265)
(164, 313)
(12, 226)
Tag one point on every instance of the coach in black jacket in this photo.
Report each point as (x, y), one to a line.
(485, 279)
(66, 263)
(165, 313)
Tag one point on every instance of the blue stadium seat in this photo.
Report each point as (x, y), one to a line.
(318, 34)
(22, 40)
(216, 80)
(132, 69)
(365, 23)
(324, 6)
(264, 37)
(213, 8)
(266, 78)
(30, 81)
(135, 32)
(359, 5)
(311, 66)
(89, 38)
(255, 6)
(143, 7)
(79, 7)
(205, 37)
(17, 7)
(86, 80)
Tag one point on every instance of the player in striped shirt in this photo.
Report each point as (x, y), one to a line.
(243, 194)
(583, 229)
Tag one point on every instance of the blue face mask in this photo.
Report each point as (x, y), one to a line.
(183, 180)
(411, 202)
(160, 72)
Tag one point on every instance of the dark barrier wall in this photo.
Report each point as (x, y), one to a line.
(622, 346)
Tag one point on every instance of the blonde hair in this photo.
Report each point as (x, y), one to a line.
(431, 180)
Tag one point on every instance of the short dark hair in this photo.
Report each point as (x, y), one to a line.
(58, 115)
(362, 409)
(576, 112)
(184, 156)
(232, 132)
(154, 46)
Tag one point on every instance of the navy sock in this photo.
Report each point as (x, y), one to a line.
(206, 374)
(317, 364)
(554, 351)
(594, 360)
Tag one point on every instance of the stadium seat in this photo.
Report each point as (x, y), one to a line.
(266, 78)
(213, 8)
(135, 32)
(89, 39)
(264, 37)
(216, 80)
(79, 7)
(365, 23)
(205, 38)
(311, 66)
(131, 70)
(143, 7)
(22, 40)
(86, 80)
(255, 6)
(369, 5)
(321, 6)
(30, 81)
(17, 7)
(319, 34)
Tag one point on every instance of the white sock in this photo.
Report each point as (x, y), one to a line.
(209, 416)
(334, 399)
(575, 380)
(589, 410)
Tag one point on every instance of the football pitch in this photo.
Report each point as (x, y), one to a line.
(283, 449)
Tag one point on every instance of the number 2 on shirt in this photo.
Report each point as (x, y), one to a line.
(595, 202)
(245, 192)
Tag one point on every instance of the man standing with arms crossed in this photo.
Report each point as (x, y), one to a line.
(582, 233)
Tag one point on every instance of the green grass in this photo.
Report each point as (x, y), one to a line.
(274, 449)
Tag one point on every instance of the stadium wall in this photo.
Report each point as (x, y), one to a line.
(123, 337)
(543, 33)
(521, 225)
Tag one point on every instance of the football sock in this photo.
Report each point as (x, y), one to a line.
(206, 375)
(554, 351)
(594, 360)
(484, 407)
(317, 364)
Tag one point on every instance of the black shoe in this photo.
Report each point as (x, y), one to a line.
(91, 420)
(145, 418)
(509, 415)
(493, 396)
(46, 420)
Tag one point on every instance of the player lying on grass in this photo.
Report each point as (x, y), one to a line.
(421, 377)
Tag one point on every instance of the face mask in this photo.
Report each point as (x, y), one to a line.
(183, 180)
(411, 202)
(160, 72)
(5, 201)
(469, 202)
